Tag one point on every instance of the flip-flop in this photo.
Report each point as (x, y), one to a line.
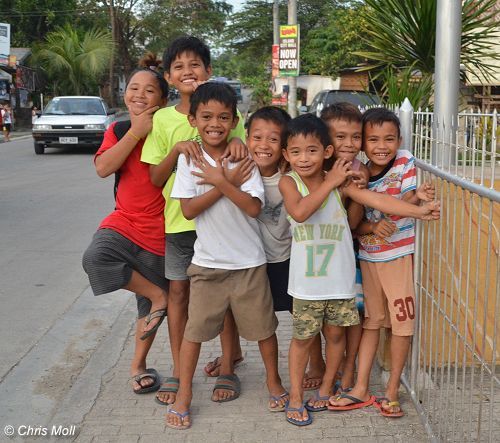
(277, 399)
(182, 417)
(378, 404)
(151, 373)
(294, 421)
(317, 397)
(230, 383)
(159, 313)
(215, 363)
(356, 403)
(316, 385)
(171, 384)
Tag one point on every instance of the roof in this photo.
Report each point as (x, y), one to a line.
(21, 54)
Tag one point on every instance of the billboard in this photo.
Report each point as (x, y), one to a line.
(4, 43)
(289, 50)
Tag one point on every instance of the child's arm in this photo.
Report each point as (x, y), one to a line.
(425, 192)
(161, 172)
(355, 211)
(390, 205)
(193, 207)
(300, 208)
(383, 228)
(113, 158)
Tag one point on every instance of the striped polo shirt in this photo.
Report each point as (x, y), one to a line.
(396, 179)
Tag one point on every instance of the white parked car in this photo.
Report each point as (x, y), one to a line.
(72, 121)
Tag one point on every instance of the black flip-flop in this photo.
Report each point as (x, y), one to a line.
(159, 313)
(151, 373)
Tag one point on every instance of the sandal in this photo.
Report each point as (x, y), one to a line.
(277, 399)
(171, 384)
(356, 403)
(159, 313)
(316, 397)
(378, 404)
(211, 366)
(230, 383)
(149, 373)
(294, 421)
(182, 416)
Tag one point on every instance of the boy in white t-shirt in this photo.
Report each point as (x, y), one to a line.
(228, 269)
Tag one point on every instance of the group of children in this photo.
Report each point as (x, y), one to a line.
(253, 223)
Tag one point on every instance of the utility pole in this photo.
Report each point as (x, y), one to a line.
(292, 81)
(276, 22)
(112, 61)
(447, 78)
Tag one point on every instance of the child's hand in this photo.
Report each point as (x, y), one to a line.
(235, 151)
(339, 173)
(196, 84)
(211, 175)
(426, 192)
(384, 228)
(359, 179)
(190, 149)
(141, 124)
(430, 210)
(240, 173)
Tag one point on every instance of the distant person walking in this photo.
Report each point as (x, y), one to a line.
(6, 122)
(34, 114)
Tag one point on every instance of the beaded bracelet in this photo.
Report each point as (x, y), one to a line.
(133, 135)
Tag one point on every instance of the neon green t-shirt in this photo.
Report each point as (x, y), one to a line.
(170, 127)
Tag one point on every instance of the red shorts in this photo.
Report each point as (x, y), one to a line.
(389, 295)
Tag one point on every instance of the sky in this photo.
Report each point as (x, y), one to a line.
(236, 4)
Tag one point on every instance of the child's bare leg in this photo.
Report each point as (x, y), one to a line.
(155, 294)
(297, 362)
(335, 346)
(399, 353)
(212, 368)
(269, 352)
(227, 341)
(178, 298)
(353, 334)
(367, 352)
(138, 365)
(189, 355)
(314, 376)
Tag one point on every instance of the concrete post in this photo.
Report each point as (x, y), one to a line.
(406, 119)
(276, 22)
(447, 77)
(292, 81)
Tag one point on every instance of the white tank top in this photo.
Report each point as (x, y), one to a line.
(322, 264)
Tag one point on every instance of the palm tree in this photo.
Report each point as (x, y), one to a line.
(401, 38)
(75, 61)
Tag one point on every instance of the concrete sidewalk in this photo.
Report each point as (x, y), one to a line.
(119, 415)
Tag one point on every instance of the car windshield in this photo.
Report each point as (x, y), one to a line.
(356, 98)
(75, 106)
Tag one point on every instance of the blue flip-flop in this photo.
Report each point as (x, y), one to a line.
(294, 421)
(182, 416)
(315, 398)
(277, 399)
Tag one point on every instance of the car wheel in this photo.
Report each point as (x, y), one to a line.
(39, 149)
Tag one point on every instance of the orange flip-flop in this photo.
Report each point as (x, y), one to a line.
(378, 404)
(356, 403)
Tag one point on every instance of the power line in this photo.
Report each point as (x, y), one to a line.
(45, 13)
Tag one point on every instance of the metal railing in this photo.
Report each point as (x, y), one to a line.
(452, 375)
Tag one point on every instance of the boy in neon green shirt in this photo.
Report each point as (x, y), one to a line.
(187, 65)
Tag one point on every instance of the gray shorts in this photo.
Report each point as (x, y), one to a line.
(179, 251)
(110, 259)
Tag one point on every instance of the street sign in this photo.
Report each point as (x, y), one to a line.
(4, 43)
(289, 50)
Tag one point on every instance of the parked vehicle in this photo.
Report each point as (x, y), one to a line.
(72, 121)
(328, 97)
(235, 84)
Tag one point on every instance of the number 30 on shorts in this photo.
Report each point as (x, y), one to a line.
(406, 308)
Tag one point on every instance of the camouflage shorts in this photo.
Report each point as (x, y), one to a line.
(310, 315)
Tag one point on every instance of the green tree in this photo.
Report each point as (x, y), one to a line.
(400, 36)
(31, 20)
(74, 61)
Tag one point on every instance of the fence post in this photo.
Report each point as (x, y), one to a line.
(406, 119)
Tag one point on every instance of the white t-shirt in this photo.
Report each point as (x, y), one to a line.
(273, 222)
(227, 237)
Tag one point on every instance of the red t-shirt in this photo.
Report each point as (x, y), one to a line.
(139, 204)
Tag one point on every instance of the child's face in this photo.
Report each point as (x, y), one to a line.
(187, 71)
(264, 143)
(306, 154)
(143, 92)
(346, 138)
(214, 121)
(381, 143)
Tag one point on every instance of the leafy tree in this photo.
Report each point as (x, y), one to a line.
(31, 20)
(402, 33)
(74, 61)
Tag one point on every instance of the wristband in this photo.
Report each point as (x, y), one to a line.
(133, 135)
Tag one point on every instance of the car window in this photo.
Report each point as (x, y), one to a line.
(75, 106)
(356, 98)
